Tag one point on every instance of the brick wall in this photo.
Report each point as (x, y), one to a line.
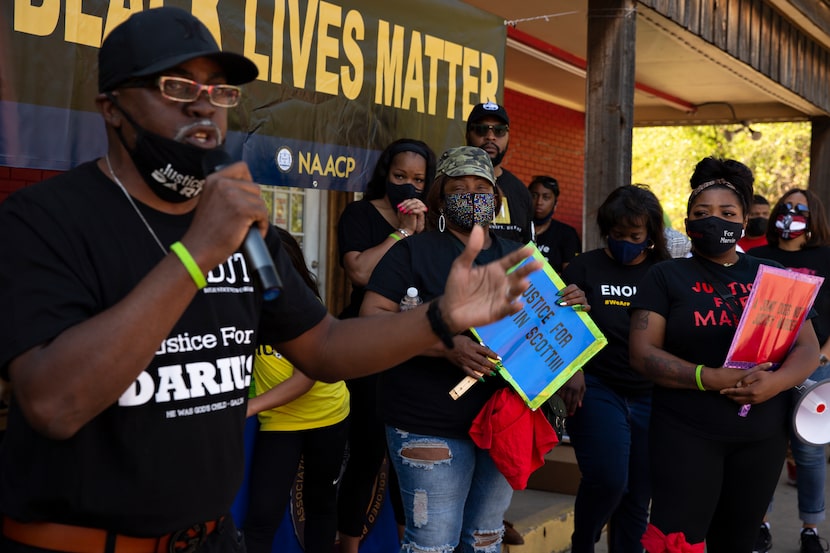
(14, 178)
(546, 139)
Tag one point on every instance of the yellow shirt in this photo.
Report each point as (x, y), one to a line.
(323, 405)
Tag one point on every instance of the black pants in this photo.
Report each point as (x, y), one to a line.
(273, 468)
(709, 489)
(367, 450)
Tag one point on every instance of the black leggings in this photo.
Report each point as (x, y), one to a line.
(367, 449)
(273, 468)
(710, 489)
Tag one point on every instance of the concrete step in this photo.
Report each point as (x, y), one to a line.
(543, 513)
(544, 519)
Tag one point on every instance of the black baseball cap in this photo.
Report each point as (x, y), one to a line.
(487, 109)
(154, 40)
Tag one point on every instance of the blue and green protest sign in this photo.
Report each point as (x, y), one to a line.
(545, 343)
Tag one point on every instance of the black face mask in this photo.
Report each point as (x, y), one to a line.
(756, 226)
(173, 170)
(712, 235)
(400, 192)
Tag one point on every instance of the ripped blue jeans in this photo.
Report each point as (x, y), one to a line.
(453, 494)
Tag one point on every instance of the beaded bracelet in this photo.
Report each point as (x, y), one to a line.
(437, 324)
(698, 373)
(189, 263)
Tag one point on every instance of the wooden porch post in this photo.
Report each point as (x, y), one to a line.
(609, 105)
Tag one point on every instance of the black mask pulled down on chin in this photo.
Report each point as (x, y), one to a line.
(173, 170)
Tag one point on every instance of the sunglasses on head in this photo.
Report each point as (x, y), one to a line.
(797, 208)
(482, 129)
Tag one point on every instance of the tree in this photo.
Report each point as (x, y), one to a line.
(664, 158)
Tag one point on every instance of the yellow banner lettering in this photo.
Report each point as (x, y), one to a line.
(389, 72)
(327, 48)
(277, 42)
(413, 88)
(353, 32)
(82, 28)
(39, 20)
(249, 39)
(206, 11)
(434, 50)
(489, 78)
(453, 55)
(469, 81)
(301, 41)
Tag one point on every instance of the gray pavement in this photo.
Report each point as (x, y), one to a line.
(784, 522)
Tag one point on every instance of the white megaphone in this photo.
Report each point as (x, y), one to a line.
(811, 416)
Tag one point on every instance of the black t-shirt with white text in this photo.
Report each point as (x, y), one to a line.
(609, 287)
(169, 453)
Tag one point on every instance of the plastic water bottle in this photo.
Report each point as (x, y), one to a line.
(411, 300)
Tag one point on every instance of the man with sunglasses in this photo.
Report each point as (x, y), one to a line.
(488, 128)
(130, 318)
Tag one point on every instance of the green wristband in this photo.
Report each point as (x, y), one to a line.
(698, 371)
(189, 263)
(395, 236)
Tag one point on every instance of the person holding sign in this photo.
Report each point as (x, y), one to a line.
(713, 471)
(608, 402)
(452, 491)
(799, 238)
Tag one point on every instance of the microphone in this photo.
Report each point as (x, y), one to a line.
(254, 248)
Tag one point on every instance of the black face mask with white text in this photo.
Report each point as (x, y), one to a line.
(173, 170)
(712, 235)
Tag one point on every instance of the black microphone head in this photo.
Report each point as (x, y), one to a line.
(215, 160)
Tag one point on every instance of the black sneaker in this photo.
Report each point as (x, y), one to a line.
(763, 542)
(811, 543)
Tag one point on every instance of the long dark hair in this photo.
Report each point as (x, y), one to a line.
(630, 205)
(377, 185)
(295, 254)
(818, 233)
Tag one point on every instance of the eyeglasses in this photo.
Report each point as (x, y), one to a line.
(481, 129)
(797, 208)
(179, 89)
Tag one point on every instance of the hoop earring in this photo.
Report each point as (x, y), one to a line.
(808, 234)
(442, 222)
